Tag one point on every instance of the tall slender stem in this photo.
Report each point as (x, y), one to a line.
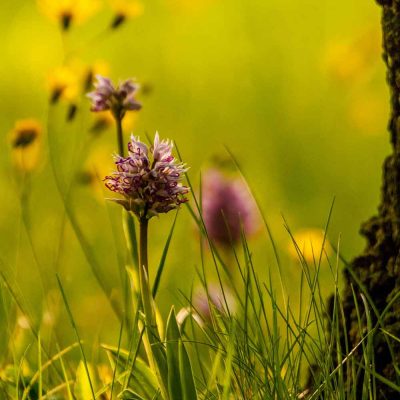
(143, 257)
(120, 136)
(151, 339)
(144, 271)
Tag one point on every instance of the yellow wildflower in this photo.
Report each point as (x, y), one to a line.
(25, 141)
(125, 9)
(69, 81)
(65, 82)
(367, 112)
(309, 242)
(99, 67)
(98, 165)
(104, 120)
(349, 60)
(66, 12)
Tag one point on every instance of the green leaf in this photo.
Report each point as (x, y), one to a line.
(129, 394)
(72, 321)
(154, 348)
(143, 378)
(173, 337)
(83, 389)
(186, 373)
(229, 364)
(163, 258)
(128, 224)
(216, 367)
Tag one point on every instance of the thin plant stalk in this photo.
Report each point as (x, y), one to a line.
(144, 271)
(143, 256)
(151, 340)
(120, 135)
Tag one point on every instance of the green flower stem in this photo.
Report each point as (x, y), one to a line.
(143, 257)
(144, 273)
(151, 339)
(120, 136)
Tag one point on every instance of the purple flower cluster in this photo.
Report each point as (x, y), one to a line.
(228, 208)
(117, 99)
(148, 179)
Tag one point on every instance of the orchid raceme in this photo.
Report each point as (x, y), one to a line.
(118, 99)
(148, 179)
(228, 207)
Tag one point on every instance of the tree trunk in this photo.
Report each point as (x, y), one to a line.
(378, 267)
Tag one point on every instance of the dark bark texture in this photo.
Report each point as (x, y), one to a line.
(378, 267)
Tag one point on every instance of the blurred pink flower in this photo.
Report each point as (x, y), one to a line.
(218, 299)
(117, 99)
(148, 179)
(228, 207)
(200, 309)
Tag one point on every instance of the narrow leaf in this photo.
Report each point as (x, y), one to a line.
(83, 384)
(186, 373)
(130, 236)
(173, 338)
(163, 258)
(129, 394)
(143, 380)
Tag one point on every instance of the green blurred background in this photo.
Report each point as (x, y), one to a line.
(296, 90)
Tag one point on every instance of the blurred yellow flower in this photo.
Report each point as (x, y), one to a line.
(99, 164)
(99, 67)
(66, 12)
(309, 242)
(65, 82)
(125, 9)
(368, 112)
(349, 60)
(69, 81)
(104, 120)
(25, 140)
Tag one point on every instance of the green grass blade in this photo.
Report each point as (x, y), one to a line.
(144, 381)
(173, 337)
(163, 258)
(40, 366)
(118, 355)
(229, 365)
(83, 389)
(128, 222)
(186, 374)
(65, 194)
(129, 394)
(72, 321)
(46, 365)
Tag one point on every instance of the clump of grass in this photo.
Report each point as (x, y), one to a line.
(254, 341)
(247, 339)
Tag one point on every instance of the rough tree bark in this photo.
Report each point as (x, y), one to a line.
(378, 267)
